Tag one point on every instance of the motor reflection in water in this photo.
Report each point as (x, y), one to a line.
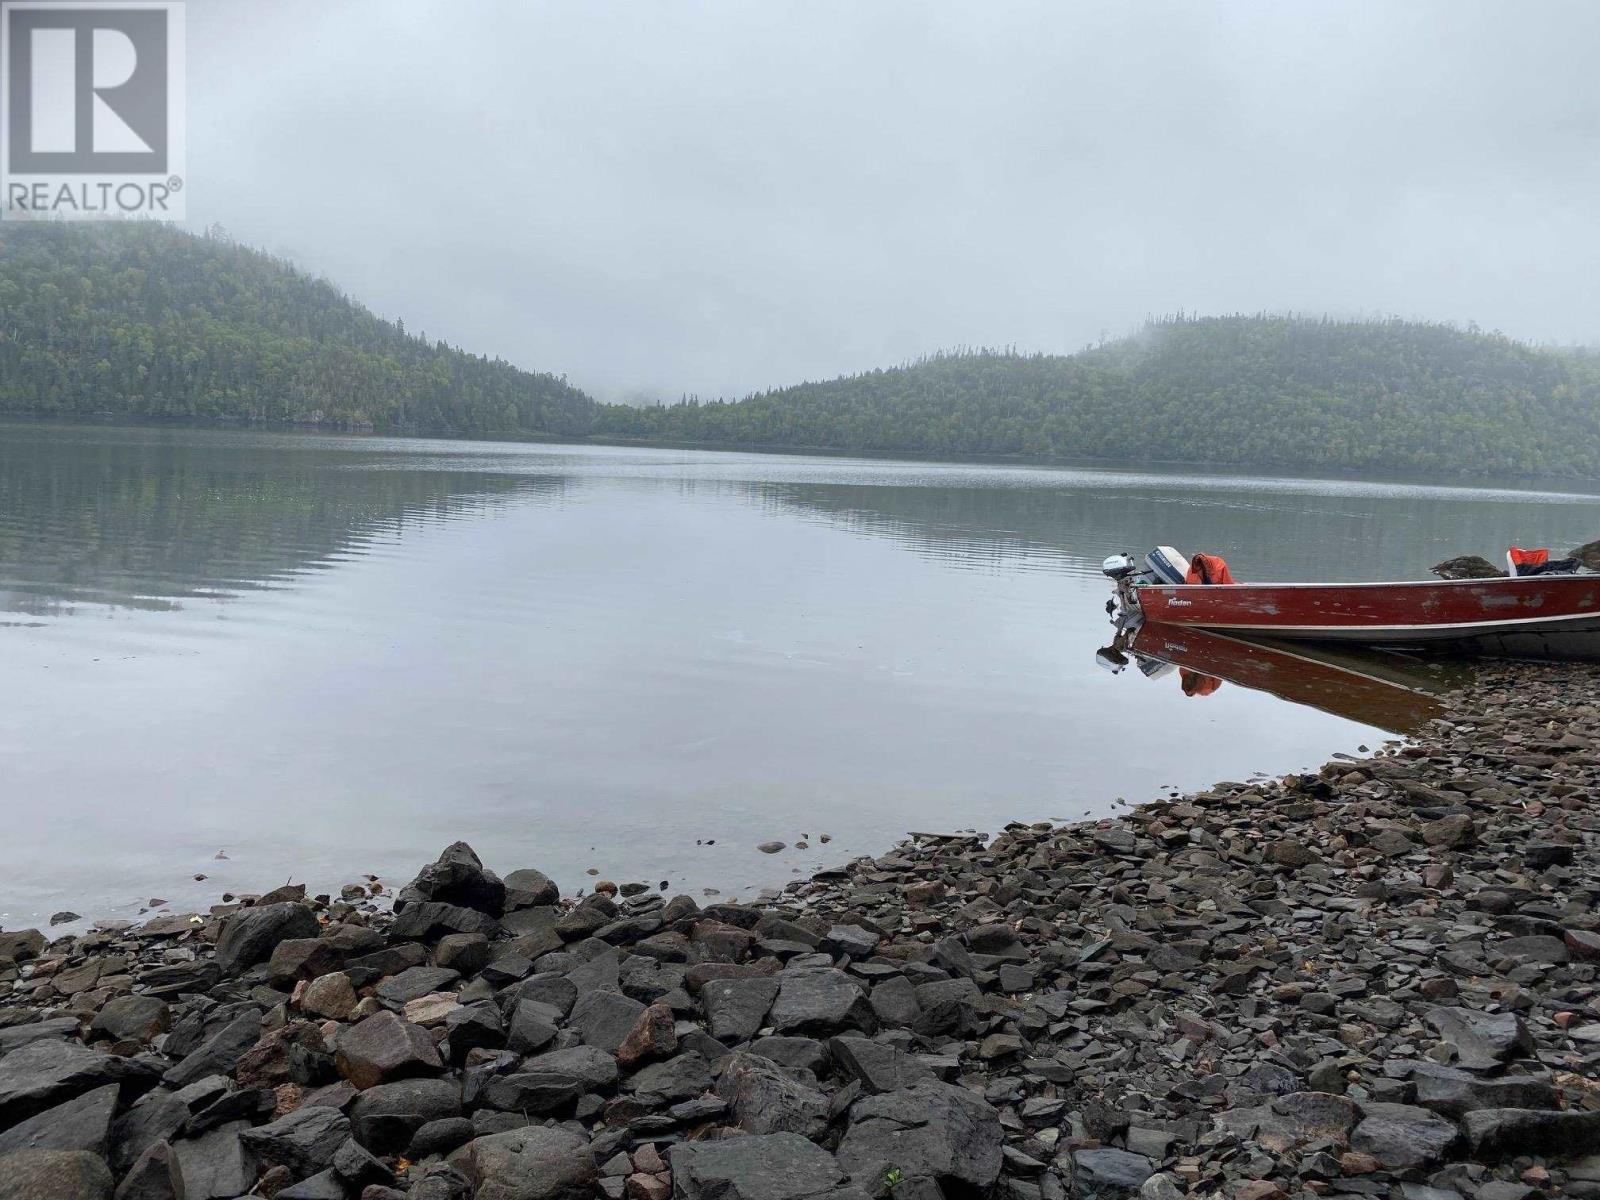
(1387, 690)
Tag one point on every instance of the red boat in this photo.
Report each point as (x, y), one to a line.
(1556, 615)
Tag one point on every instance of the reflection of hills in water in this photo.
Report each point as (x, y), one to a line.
(1357, 532)
(147, 520)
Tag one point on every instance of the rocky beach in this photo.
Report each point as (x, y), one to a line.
(1378, 980)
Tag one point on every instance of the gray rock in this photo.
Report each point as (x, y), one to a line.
(1109, 1174)
(383, 1048)
(537, 1092)
(596, 1068)
(603, 1019)
(155, 1175)
(737, 1008)
(1291, 1121)
(412, 983)
(1453, 1092)
(384, 1118)
(1402, 1137)
(250, 935)
(533, 1163)
(219, 1053)
(1483, 1041)
(82, 1123)
(879, 1067)
(216, 1166)
(458, 878)
(324, 1185)
(45, 1073)
(429, 920)
(155, 1117)
(54, 1175)
(812, 1001)
(681, 1077)
(946, 1006)
(932, 1129)
(534, 1026)
(764, 1099)
(36, 1031)
(778, 1166)
(894, 1002)
(528, 888)
(135, 1018)
(304, 1141)
(798, 1053)
(1496, 1133)
(440, 1137)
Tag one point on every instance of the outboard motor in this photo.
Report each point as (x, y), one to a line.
(1167, 565)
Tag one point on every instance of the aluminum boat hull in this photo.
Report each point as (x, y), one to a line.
(1555, 614)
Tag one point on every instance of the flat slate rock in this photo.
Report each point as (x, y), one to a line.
(777, 1166)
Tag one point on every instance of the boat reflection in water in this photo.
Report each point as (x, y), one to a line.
(1380, 688)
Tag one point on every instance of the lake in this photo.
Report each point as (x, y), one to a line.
(322, 656)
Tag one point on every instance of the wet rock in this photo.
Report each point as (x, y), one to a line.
(82, 1123)
(383, 1048)
(1402, 1138)
(737, 1008)
(43, 1074)
(1467, 566)
(249, 936)
(155, 1175)
(820, 1000)
(304, 1140)
(1496, 1133)
(935, 1130)
(54, 1175)
(464, 953)
(534, 1163)
(778, 1166)
(604, 1019)
(433, 920)
(764, 1099)
(459, 878)
(219, 1053)
(216, 1166)
(1109, 1174)
(21, 945)
(1454, 1092)
(132, 1018)
(653, 1036)
(1483, 1041)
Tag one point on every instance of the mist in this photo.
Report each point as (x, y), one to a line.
(714, 198)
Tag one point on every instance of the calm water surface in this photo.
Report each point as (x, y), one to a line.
(328, 656)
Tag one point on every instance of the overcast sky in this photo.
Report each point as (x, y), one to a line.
(668, 196)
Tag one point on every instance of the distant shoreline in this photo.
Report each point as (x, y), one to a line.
(1575, 485)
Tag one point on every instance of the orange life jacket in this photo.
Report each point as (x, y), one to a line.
(1528, 558)
(1208, 568)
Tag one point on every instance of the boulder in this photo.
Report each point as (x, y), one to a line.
(332, 996)
(1106, 1173)
(1290, 1121)
(763, 1098)
(82, 1123)
(43, 1074)
(54, 1175)
(1467, 566)
(132, 1018)
(679, 1078)
(249, 936)
(385, 1118)
(1496, 1133)
(1402, 1137)
(304, 1140)
(155, 1175)
(528, 888)
(1455, 1093)
(216, 1166)
(935, 1130)
(777, 1166)
(430, 920)
(654, 1036)
(219, 1053)
(383, 1048)
(1483, 1041)
(533, 1163)
(736, 1008)
(879, 1067)
(604, 1019)
(820, 1000)
(458, 878)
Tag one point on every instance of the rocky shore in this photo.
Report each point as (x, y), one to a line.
(1379, 980)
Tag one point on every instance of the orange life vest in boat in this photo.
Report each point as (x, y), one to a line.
(1208, 568)
(1527, 558)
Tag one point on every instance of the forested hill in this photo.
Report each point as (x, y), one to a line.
(145, 320)
(1266, 391)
